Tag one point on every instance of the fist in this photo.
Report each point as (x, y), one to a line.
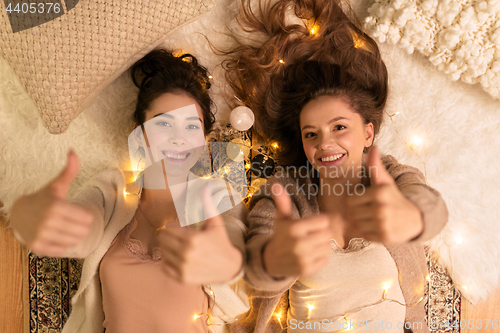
(382, 213)
(46, 221)
(298, 247)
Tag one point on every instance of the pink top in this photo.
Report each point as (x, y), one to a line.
(138, 297)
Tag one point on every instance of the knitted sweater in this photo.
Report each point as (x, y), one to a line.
(269, 296)
(113, 204)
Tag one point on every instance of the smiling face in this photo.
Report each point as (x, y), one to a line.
(333, 135)
(174, 132)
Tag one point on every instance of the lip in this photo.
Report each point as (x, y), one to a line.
(175, 152)
(331, 162)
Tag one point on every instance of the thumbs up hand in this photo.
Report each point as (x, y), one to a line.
(382, 213)
(46, 221)
(203, 256)
(298, 247)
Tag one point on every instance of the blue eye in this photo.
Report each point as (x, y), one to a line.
(193, 127)
(163, 123)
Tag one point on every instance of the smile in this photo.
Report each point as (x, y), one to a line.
(331, 158)
(176, 156)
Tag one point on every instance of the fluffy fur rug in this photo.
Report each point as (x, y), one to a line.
(456, 125)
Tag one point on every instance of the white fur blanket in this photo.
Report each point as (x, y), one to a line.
(457, 125)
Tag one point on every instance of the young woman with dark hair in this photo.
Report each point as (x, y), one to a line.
(143, 272)
(338, 248)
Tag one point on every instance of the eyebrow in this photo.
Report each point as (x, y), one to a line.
(329, 122)
(169, 116)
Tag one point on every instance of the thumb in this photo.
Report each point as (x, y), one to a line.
(282, 200)
(214, 219)
(62, 182)
(376, 169)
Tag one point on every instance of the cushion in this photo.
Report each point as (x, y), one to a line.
(64, 63)
(461, 38)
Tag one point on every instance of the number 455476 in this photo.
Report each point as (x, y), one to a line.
(32, 8)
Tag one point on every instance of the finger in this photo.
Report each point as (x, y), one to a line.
(282, 201)
(362, 212)
(172, 244)
(213, 219)
(315, 240)
(66, 226)
(61, 238)
(317, 223)
(172, 258)
(316, 265)
(376, 169)
(357, 200)
(74, 213)
(62, 182)
(48, 249)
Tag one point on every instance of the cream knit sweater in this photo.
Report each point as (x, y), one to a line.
(113, 204)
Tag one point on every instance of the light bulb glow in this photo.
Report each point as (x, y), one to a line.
(210, 77)
(314, 30)
(416, 141)
(275, 145)
(281, 61)
(196, 316)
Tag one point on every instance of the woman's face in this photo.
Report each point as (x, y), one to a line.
(333, 136)
(174, 132)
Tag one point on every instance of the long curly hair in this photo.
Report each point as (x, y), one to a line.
(289, 63)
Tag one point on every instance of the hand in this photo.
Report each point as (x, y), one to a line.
(298, 247)
(200, 256)
(46, 221)
(382, 213)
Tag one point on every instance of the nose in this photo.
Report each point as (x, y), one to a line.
(325, 143)
(177, 138)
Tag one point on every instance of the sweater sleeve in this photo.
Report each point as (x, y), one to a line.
(99, 196)
(260, 222)
(411, 182)
(236, 231)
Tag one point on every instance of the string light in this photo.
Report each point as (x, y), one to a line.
(275, 145)
(358, 42)
(416, 141)
(125, 193)
(314, 30)
(210, 77)
(281, 61)
(310, 307)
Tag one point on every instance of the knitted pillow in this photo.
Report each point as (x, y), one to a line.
(64, 63)
(461, 38)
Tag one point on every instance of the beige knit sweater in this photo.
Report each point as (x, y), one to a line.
(105, 196)
(270, 296)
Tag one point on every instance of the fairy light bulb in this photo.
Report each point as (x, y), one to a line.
(386, 287)
(281, 61)
(125, 193)
(428, 278)
(310, 307)
(314, 30)
(416, 142)
(247, 165)
(275, 145)
(210, 77)
(196, 316)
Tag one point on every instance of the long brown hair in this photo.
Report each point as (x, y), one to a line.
(324, 53)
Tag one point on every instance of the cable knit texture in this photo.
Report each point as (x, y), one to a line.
(65, 63)
(461, 38)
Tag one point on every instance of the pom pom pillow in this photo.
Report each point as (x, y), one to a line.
(65, 57)
(461, 38)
